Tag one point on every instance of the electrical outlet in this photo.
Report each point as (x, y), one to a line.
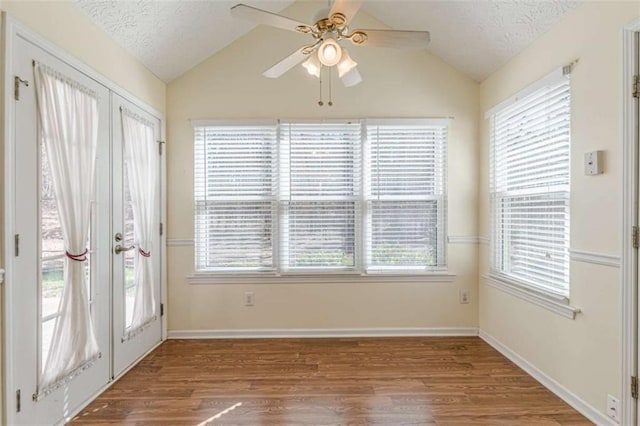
(613, 408)
(464, 296)
(593, 163)
(249, 299)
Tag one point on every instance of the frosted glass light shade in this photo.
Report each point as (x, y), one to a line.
(346, 64)
(313, 65)
(329, 52)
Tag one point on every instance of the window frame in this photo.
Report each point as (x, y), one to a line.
(548, 297)
(359, 272)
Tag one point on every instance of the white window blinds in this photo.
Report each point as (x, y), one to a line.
(405, 195)
(234, 194)
(530, 187)
(320, 185)
(340, 196)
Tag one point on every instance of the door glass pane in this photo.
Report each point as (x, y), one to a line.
(47, 336)
(52, 257)
(129, 256)
(52, 245)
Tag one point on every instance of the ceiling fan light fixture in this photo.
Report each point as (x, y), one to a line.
(329, 52)
(346, 64)
(313, 65)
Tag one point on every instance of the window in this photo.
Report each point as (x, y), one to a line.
(530, 149)
(320, 197)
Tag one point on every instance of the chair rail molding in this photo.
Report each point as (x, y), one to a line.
(463, 239)
(179, 242)
(595, 258)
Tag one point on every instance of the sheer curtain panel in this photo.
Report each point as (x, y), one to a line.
(68, 118)
(141, 163)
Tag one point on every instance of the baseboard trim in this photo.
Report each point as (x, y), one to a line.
(562, 392)
(322, 332)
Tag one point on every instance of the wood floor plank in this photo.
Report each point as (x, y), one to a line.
(368, 381)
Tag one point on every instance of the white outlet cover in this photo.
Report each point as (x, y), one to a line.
(613, 408)
(593, 163)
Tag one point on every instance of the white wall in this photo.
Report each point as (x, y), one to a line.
(582, 354)
(397, 84)
(62, 24)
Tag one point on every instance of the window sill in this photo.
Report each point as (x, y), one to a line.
(553, 302)
(335, 278)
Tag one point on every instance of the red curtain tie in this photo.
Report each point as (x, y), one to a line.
(78, 257)
(144, 253)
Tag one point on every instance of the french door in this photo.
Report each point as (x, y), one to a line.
(134, 333)
(114, 248)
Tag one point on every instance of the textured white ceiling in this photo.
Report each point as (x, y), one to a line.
(170, 36)
(476, 36)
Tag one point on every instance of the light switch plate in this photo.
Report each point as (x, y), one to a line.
(593, 163)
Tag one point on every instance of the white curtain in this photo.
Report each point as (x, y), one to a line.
(141, 162)
(68, 115)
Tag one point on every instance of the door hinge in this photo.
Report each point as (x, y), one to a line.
(636, 86)
(18, 401)
(160, 143)
(161, 228)
(16, 86)
(162, 309)
(634, 237)
(634, 387)
(16, 245)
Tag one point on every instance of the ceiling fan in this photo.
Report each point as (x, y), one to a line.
(331, 27)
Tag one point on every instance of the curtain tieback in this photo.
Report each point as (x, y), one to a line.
(144, 253)
(78, 257)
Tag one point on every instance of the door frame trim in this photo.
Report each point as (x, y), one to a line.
(11, 30)
(630, 199)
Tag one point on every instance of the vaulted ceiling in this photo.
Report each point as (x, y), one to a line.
(475, 36)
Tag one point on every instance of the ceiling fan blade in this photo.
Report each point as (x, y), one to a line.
(286, 64)
(267, 18)
(392, 38)
(352, 78)
(346, 8)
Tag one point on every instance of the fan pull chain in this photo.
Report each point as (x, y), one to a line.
(320, 103)
(330, 96)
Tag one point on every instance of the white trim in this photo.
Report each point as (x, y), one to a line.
(594, 258)
(484, 240)
(452, 239)
(562, 392)
(629, 258)
(322, 332)
(554, 76)
(8, 192)
(179, 242)
(554, 303)
(232, 122)
(428, 121)
(267, 278)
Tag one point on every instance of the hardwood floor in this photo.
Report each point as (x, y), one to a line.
(384, 381)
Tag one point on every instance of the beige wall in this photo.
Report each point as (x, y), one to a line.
(64, 26)
(397, 84)
(582, 354)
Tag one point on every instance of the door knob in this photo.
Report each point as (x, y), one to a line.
(119, 249)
